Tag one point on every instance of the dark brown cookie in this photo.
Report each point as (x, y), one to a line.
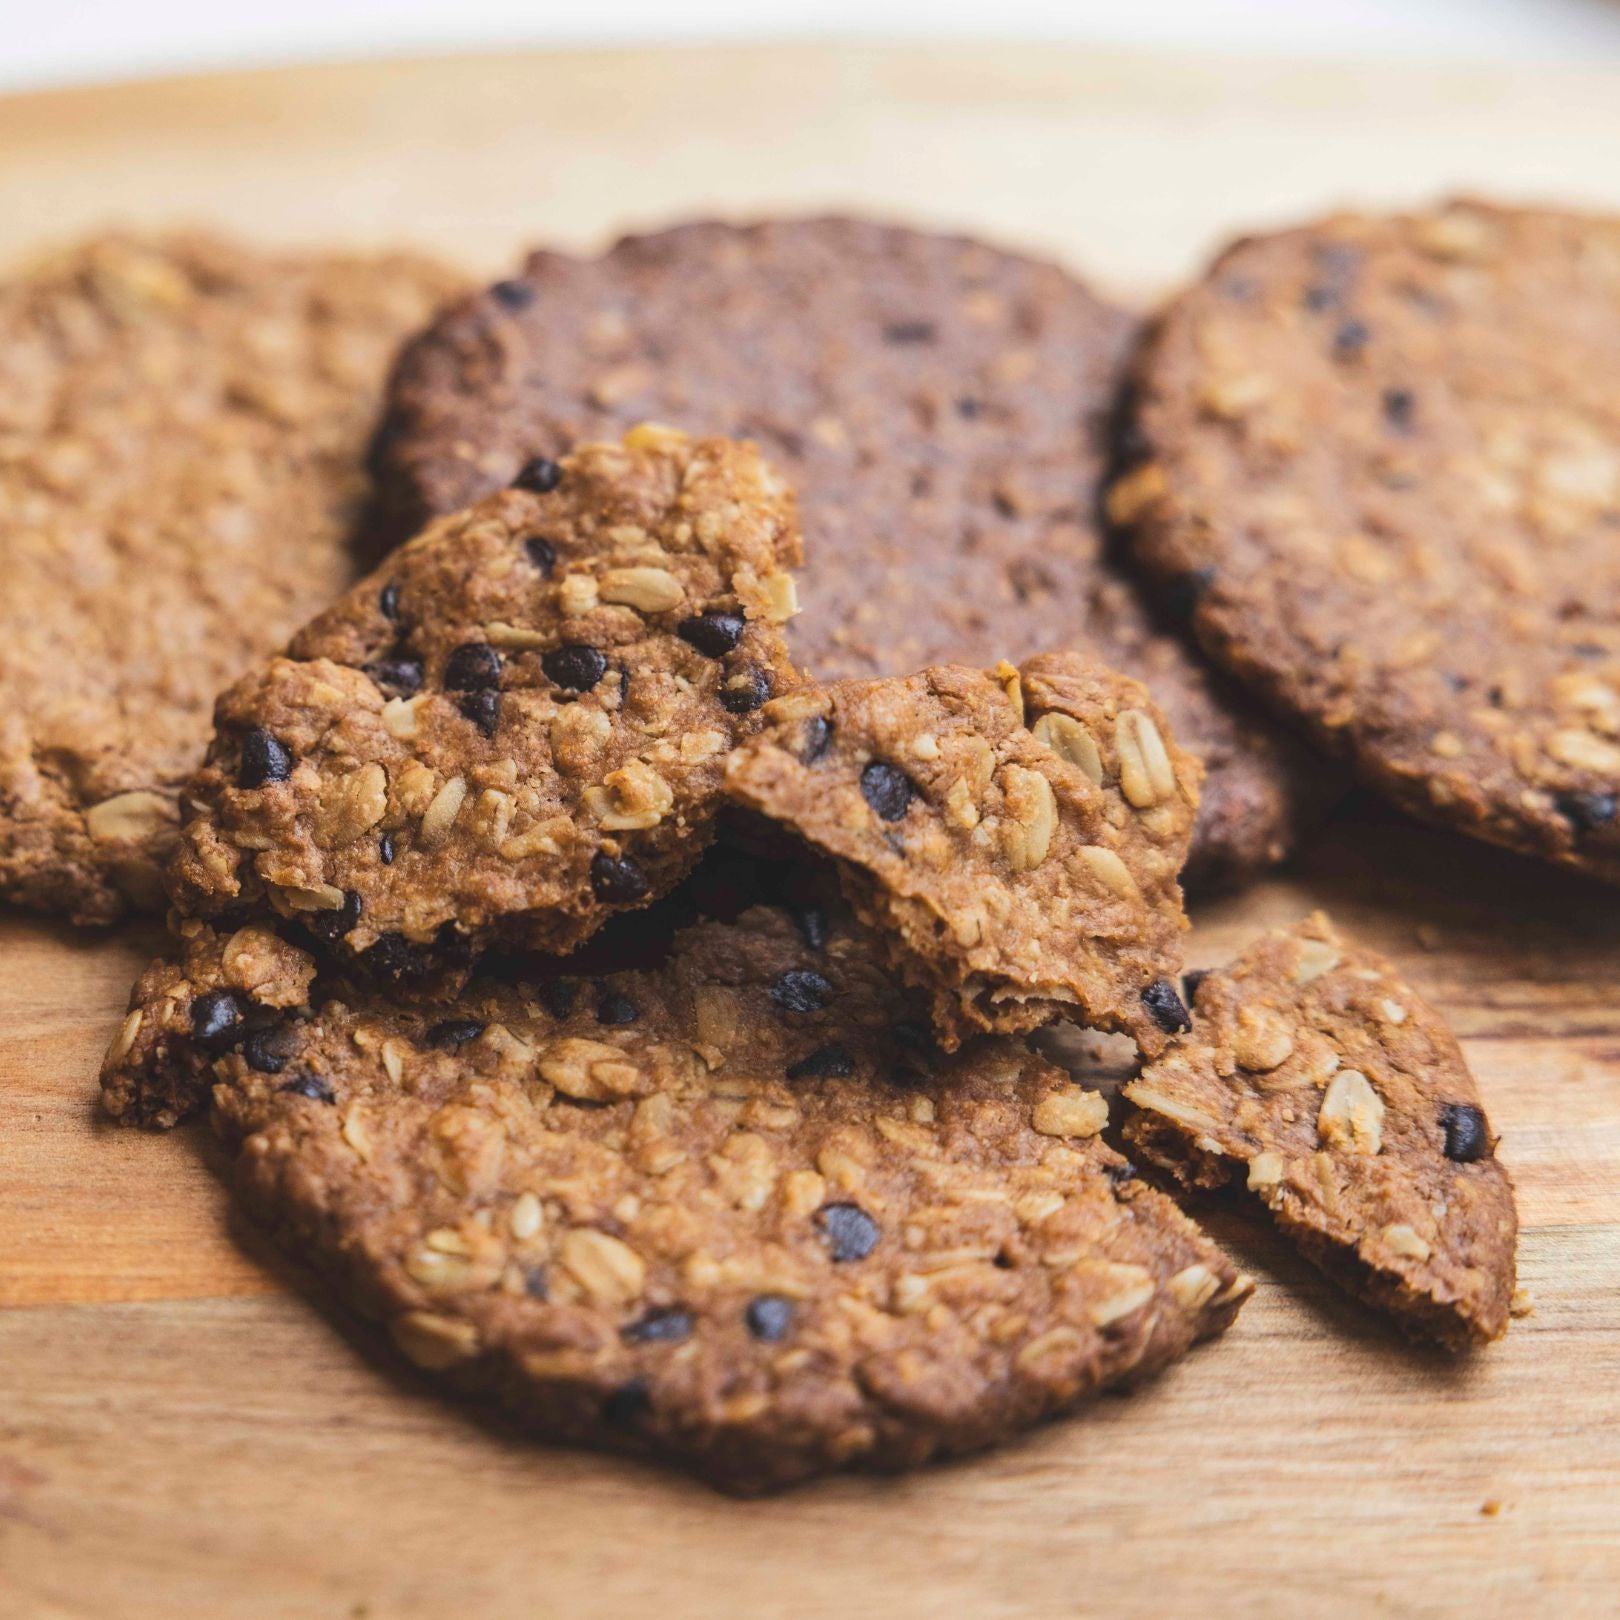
(1342, 1097)
(1383, 456)
(1012, 837)
(518, 725)
(721, 1213)
(182, 431)
(939, 408)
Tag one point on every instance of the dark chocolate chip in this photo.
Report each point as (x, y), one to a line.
(264, 759)
(814, 739)
(399, 676)
(556, 996)
(1119, 1174)
(811, 921)
(541, 474)
(1468, 1137)
(394, 957)
(451, 1034)
(713, 634)
(801, 990)
(333, 925)
(385, 849)
(1399, 405)
(575, 667)
(663, 1324)
(1586, 812)
(216, 1019)
(388, 600)
(847, 1230)
(769, 1317)
(473, 667)
(617, 880)
(541, 553)
(512, 294)
(628, 1404)
(830, 1062)
(535, 1284)
(311, 1086)
(483, 709)
(887, 789)
(969, 408)
(745, 691)
(1350, 339)
(1165, 1008)
(909, 332)
(1318, 298)
(615, 1009)
(269, 1050)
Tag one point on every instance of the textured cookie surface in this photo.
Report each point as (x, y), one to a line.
(1013, 837)
(183, 426)
(1343, 1099)
(722, 1212)
(518, 724)
(1384, 456)
(939, 409)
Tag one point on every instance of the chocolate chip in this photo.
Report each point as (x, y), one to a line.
(395, 957)
(1586, 812)
(1119, 1174)
(1399, 404)
(617, 879)
(814, 739)
(535, 1284)
(541, 474)
(1190, 982)
(847, 1230)
(451, 1034)
(745, 691)
(887, 789)
(311, 1086)
(713, 634)
(333, 925)
(628, 1404)
(1351, 338)
(512, 294)
(615, 1009)
(575, 667)
(216, 1019)
(969, 408)
(830, 1062)
(556, 996)
(769, 1317)
(541, 553)
(264, 759)
(269, 1050)
(388, 600)
(811, 922)
(483, 709)
(399, 676)
(1165, 1008)
(473, 667)
(663, 1324)
(801, 990)
(385, 849)
(909, 332)
(1468, 1137)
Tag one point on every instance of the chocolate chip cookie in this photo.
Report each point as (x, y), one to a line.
(1012, 837)
(1381, 461)
(1342, 1098)
(938, 406)
(182, 432)
(728, 1212)
(514, 728)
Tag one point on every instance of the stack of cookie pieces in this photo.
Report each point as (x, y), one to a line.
(745, 1159)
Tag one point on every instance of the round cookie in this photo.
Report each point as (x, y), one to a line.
(183, 424)
(939, 408)
(1380, 460)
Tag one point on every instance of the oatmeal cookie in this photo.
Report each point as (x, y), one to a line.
(183, 424)
(938, 406)
(1382, 462)
(1342, 1098)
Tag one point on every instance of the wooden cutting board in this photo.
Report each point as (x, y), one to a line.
(186, 1429)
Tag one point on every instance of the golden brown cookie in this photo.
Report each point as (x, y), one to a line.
(1342, 1098)
(182, 430)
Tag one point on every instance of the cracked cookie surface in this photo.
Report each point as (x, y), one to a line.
(1383, 455)
(1314, 1072)
(720, 1212)
(515, 727)
(939, 408)
(183, 424)
(1013, 837)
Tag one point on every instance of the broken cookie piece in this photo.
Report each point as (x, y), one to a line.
(1014, 838)
(517, 726)
(1315, 1072)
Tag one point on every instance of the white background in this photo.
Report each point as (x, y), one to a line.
(48, 42)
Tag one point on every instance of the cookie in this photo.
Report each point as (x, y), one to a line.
(939, 408)
(1012, 837)
(722, 1213)
(1382, 464)
(183, 423)
(1342, 1099)
(517, 726)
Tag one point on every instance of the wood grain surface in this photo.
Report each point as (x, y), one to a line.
(188, 1428)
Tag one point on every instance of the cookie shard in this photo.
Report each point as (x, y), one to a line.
(1013, 837)
(1377, 459)
(185, 422)
(938, 405)
(642, 1234)
(517, 725)
(1340, 1098)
